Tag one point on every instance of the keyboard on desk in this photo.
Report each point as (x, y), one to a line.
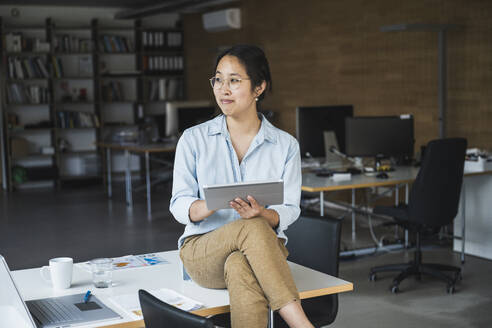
(52, 311)
(326, 172)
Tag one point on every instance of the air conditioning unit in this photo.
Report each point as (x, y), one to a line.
(222, 20)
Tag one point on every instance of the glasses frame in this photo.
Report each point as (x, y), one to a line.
(228, 82)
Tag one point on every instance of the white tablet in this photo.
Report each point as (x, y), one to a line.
(266, 192)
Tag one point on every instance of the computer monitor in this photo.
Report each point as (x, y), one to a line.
(181, 115)
(380, 136)
(311, 122)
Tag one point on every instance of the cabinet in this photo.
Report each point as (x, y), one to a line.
(65, 87)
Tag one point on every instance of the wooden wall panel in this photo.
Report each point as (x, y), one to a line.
(333, 52)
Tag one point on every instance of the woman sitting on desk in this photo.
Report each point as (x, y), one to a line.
(242, 248)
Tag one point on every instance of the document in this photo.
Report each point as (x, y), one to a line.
(132, 261)
(131, 304)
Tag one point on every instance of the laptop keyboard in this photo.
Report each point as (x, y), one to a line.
(53, 311)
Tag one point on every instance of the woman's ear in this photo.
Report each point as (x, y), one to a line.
(260, 89)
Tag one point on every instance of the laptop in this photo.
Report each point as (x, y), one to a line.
(63, 311)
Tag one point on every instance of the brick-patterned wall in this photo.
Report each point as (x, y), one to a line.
(333, 52)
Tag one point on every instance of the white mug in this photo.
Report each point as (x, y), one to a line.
(60, 272)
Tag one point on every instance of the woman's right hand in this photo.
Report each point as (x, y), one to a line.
(199, 211)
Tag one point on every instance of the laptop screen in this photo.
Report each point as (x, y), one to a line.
(13, 310)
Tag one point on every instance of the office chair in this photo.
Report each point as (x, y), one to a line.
(158, 314)
(433, 203)
(314, 242)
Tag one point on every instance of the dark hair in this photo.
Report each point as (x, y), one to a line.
(255, 62)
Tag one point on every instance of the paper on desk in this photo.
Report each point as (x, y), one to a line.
(131, 304)
(132, 261)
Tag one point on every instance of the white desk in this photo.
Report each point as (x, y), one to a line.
(476, 206)
(403, 175)
(310, 283)
(476, 192)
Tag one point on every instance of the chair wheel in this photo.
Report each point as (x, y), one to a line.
(450, 289)
(395, 289)
(372, 277)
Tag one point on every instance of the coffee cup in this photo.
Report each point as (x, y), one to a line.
(59, 272)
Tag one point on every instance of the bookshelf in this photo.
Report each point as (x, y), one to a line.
(65, 87)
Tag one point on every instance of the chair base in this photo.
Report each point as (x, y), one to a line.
(418, 269)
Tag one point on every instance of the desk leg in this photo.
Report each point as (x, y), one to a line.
(397, 199)
(321, 204)
(108, 171)
(270, 318)
(147, 178)
(463, 223)
(406, 202)
(128, 180)
(353, 214)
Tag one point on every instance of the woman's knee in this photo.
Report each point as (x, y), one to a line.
(258, 226)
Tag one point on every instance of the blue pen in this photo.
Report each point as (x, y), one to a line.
(87, 296)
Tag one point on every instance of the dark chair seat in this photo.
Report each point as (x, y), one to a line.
(158, 314)
(433, 203)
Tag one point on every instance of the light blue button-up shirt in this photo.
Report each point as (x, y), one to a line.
(205, 156)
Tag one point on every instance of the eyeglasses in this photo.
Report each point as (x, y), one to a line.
(233, 83)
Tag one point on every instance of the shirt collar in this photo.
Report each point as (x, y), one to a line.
(266, 132)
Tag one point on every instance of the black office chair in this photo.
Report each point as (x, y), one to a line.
(433, 204)
(314, 242)
(158, 314)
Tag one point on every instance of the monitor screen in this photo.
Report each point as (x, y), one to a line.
(379, 136)
(181, 115)
(311, 122)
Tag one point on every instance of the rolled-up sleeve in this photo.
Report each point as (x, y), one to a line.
(185, 185)
(289, 211)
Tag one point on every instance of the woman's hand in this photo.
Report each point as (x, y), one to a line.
(253, 209)
(199, 211)
(247, 211)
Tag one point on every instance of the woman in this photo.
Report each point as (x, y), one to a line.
(242, 248)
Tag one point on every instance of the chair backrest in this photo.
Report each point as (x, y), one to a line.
(435, 194)
(158, 314)
(314, 242)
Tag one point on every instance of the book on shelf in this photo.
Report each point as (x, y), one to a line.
(115, 44)
(163, 63)
(112, 91)
(17, 42)
(26, 67)
(70, 43)
(155, 40)
(73, 119)
(85, 66)
(13, 42)
(57, 66)
(32, 94)
(165, 89)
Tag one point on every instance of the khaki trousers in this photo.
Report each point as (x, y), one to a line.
(247, 258)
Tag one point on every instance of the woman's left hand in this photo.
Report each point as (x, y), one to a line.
(247, 211)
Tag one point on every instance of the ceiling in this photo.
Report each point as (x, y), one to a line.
(85, 3)
(130, 8)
